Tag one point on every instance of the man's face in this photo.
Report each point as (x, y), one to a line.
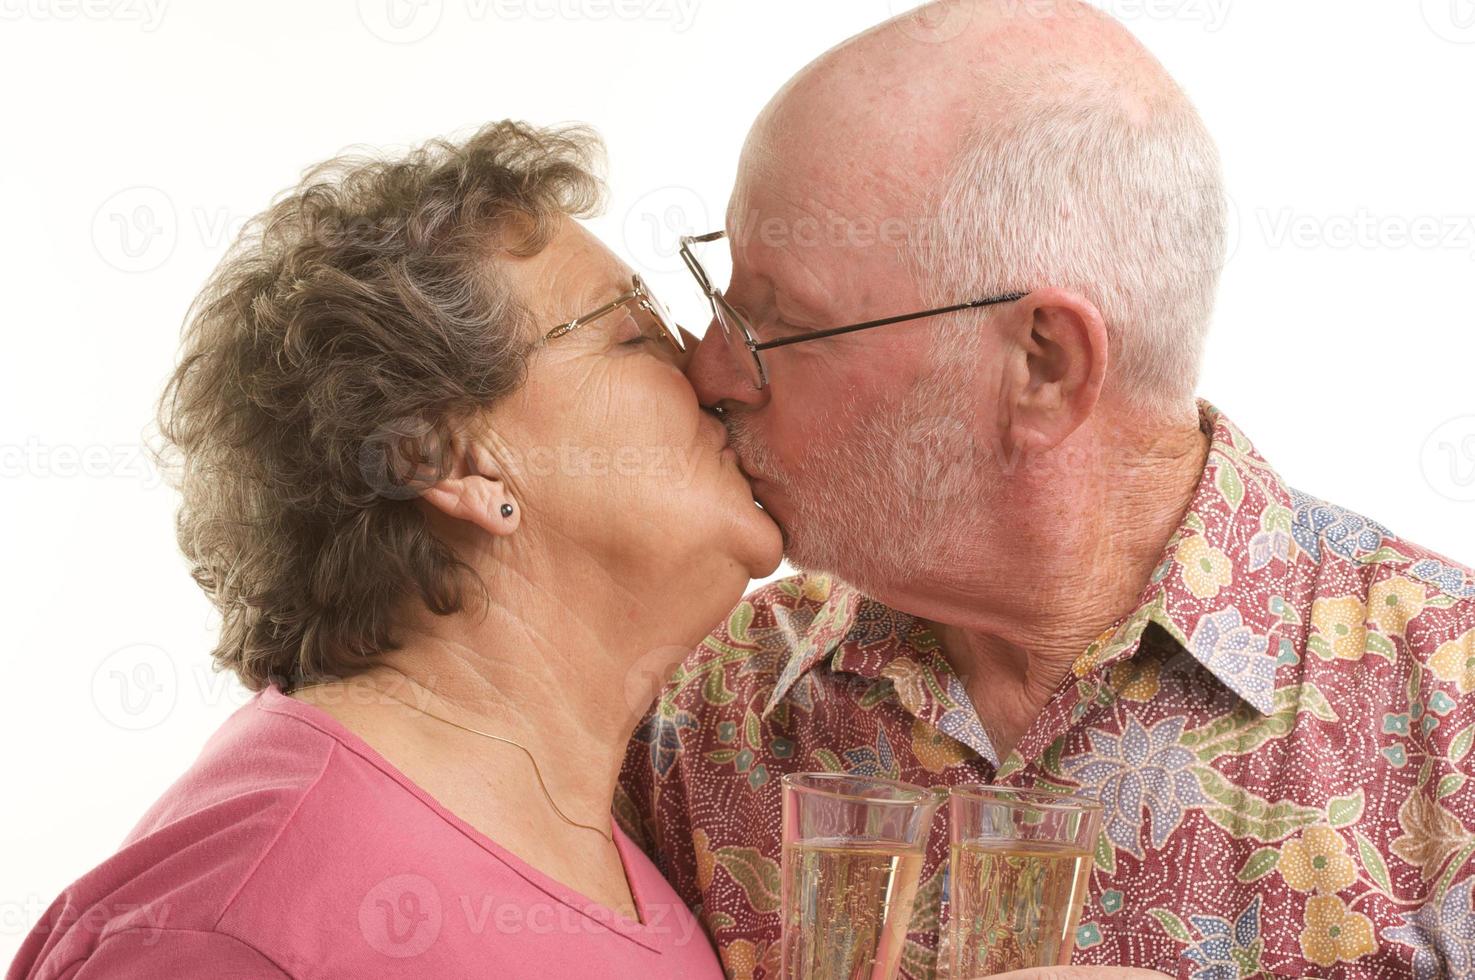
(854, 446)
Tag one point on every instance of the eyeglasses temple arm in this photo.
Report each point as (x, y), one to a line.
(975, 304)
(564, 328)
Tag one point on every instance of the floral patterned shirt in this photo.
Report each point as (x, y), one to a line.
(1280, 732)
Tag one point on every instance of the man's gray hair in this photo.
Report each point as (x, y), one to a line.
(1086, 183)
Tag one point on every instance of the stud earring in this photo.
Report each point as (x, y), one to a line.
(506, 510)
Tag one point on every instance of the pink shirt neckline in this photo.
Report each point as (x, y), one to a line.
(272, 699)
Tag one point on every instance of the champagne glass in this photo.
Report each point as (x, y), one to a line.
(853, 849)
(1021, 862)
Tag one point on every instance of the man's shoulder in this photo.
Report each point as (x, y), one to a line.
(1328, 532)
(1372, 591)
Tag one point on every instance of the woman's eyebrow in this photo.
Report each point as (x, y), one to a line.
(594, 294)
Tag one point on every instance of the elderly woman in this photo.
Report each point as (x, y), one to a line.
(442, 476)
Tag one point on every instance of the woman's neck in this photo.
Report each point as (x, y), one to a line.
(563, 683)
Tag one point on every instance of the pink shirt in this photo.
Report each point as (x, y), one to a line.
(292, 849)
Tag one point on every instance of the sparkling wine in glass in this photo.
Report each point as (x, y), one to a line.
(1021, 862)
(853, 850)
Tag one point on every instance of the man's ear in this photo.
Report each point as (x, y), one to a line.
(1059, 356)
(472, 489)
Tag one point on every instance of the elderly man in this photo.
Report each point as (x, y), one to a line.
(1033, 559)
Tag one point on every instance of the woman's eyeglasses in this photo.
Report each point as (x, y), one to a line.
(640, 303)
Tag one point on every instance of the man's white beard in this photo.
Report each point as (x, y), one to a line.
(904, 492)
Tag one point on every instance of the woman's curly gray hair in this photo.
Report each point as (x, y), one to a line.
(363, 309)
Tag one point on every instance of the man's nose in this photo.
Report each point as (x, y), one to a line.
(717, 376)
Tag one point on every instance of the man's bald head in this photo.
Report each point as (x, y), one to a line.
(1013, 144)
(900, 86)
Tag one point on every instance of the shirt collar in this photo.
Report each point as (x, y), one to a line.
(1241, 523)
(819, 638)
(1236, 539)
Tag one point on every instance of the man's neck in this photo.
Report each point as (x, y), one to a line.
(1072, 551)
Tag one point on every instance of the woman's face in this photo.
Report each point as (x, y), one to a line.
(606, 449)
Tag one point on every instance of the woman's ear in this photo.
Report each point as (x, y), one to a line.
(472, 489)
(483, 501)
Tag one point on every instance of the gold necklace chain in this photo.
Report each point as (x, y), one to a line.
(525, 751)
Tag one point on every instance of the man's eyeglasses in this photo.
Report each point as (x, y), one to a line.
(640, 304)
(746, 347)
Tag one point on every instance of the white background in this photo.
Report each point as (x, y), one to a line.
(1343, 345)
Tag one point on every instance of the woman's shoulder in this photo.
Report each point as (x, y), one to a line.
(254, 768)
(197, 847)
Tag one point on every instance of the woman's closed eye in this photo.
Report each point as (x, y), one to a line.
(628, 332)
